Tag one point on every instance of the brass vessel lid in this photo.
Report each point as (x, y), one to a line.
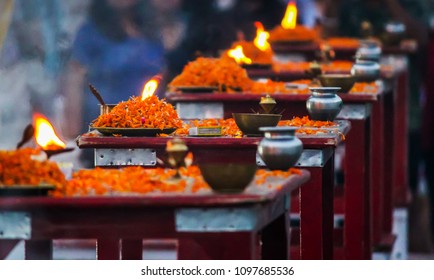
(267, 103)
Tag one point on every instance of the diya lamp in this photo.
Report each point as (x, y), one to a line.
(47, 138)
(237, 53)
(249, 123)
(267, 103)
(149, 89)
(177, 151)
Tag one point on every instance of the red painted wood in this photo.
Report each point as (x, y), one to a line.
(292, 105)
(299, 74)
(276, 239)
(309, 50)
(246, 97)
(156, 200)
(295, 105)
(111, 219)
(400, 149)
(316, 238)
(108, 249)
(219, 246)
(386, 244)
(198, 145)
(6, 246)
(378, 168)
(38, 250)
(358, 201)
(389, 163)
(131, 249)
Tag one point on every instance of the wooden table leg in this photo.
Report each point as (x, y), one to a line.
(316, 212)
(132, 249)
(108, 249)
(400, 140)
(6, 246)
(389, 148)
(276, 239)
(378, 168)
(38, 249)
(219, 246)
(357, 227)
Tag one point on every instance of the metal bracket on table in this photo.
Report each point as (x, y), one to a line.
(15, 225)
(216, 219)
(355, 112)
(200, 110)
(119, 157)
(309, 158)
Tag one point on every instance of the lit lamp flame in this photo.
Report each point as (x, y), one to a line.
(289, 21)
(238, 54)
(45, 135)
(150, 87)
(261, 40)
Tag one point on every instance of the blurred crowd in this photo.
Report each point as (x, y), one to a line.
(51, 50)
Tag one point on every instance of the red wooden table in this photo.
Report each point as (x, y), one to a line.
(362, 198)
(398, 179)
(315, 199)
(310, 51)
(250, 225)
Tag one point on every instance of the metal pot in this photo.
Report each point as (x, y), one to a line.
(106, 108)
(280, 149)
(365, 70)
(369, 50)
(394, 32)
(324, 104)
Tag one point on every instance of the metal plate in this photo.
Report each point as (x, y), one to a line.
(196, 89)
(200, 110)
(13, 191)
(216, 219)
(123, 157)
(355, 112)
(133, 131)
(15, 225)
(309, 158)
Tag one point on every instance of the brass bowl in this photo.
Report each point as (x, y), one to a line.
(228, 177)
(344, 81)
(250, 123)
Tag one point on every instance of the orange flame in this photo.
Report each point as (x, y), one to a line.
(238, 54)
(289, 21)
(261, 40)
(45, 135)
(150, 87)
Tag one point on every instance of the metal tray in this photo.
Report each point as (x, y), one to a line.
(25, 190)
(109, 131)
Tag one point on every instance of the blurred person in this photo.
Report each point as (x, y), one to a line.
(117, 50)
(5, 18)
(188, 28)
(238, 22)
(25, 82)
